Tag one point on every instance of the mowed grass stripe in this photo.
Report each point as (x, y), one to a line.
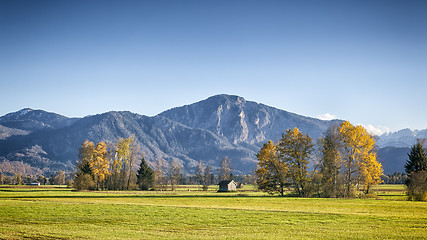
(232, 201)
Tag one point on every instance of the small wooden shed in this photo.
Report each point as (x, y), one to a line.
(227, 186)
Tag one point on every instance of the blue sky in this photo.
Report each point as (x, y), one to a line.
(363, 61)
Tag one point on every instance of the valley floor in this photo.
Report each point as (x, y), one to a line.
(59, 213)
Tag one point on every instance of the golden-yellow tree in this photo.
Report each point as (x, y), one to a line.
(126, 153)
(84, 165)
(84, 175)
(285, 164)
(295, 149)
(272, 172)
(370, 172)
(100, 164)
(358, 157)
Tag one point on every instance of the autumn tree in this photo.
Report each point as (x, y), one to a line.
(145, 176)
(330, 163)
(126, 153)
(84, 182)
(225, 169)
(41, 179)
(207, 173)
(3, 179)
(272, 173)
(17, 179)
(416, 168)
(175, 173)
(114, 180)
(85, 158)
(295, 150)
(160, 180)
(358, 158)
(100, 165)
(84, 178)
(370, 172)
(199, 174)
(60, 178)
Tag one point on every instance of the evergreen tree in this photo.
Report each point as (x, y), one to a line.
(416, 167)
(145, 176)
(417, 158)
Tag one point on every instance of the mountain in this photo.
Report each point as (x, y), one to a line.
(394, 148)
(6, 132)
(31, 120)
(393, 158)
(244, 123)
(158, 137)
(209, 130)
(402, 138)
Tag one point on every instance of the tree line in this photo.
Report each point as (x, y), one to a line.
(346, 161)
(110, 166)
(106, 166)
(60, 178)
(337, 165)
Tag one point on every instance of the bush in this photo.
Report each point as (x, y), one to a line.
(84, 182)
(70, 184)
(417, 186)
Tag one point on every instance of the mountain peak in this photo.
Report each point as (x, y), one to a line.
(226, 97)
(241, 121)
(24, 111)
(30, 120)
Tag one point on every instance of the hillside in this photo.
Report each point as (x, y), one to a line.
(209, 130)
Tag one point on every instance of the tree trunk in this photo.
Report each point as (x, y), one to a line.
(348, 180)
(281, 189)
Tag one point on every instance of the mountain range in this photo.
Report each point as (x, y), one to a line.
(40, 142)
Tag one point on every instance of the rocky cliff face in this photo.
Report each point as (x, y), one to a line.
(244, 122)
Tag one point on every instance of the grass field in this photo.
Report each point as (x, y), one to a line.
(59, 213)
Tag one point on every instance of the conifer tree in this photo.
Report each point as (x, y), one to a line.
(417, 158)
(416, 168)
(145, 176)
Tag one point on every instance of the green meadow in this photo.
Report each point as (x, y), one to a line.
(60, 213)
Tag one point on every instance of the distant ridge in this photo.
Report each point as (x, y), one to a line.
(208, 130)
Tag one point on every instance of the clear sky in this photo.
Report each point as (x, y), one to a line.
(363, 61)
